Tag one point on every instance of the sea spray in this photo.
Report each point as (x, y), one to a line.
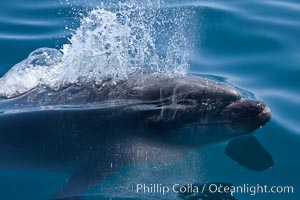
(113, 41)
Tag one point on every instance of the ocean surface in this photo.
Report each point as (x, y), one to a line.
(254, 45)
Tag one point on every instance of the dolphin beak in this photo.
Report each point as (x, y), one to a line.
(252, 111)
(265, 115)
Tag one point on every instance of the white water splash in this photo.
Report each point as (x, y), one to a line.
(110, 44)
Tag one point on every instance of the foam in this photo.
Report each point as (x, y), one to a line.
(110, 44)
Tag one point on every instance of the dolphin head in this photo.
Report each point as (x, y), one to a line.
(209, 108)
(208, 103)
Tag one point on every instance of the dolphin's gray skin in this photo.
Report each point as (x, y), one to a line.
(97, 130)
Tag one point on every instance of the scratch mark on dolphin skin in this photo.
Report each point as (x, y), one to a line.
(174, 101)
(163, 106)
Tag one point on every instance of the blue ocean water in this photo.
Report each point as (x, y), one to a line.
(252, 44)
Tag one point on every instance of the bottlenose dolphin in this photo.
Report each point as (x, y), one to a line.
(95, 130)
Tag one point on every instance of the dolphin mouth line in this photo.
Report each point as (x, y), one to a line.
(265, 115)
(215, 123)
